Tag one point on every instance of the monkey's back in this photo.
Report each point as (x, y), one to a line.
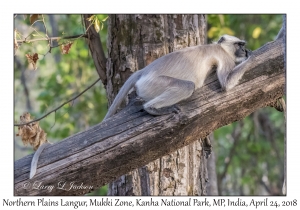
(191, 64)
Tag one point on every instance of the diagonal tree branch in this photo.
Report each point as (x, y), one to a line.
(133, 138)
(95, 46)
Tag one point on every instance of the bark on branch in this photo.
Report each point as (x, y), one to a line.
(133, 138)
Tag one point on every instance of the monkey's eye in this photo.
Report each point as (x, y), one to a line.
(241, 43)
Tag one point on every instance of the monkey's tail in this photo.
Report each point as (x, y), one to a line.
(122, 93)
(35, 159)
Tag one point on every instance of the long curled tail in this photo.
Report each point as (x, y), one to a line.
(35, 159)
(122, 93)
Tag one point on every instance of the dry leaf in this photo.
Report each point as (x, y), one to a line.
(91, 18)
(97, 25)
(33, 18)
(31, 133)
(65, 48)
(32, 59)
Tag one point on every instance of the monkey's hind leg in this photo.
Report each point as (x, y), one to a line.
(162, 111)
(176, 91)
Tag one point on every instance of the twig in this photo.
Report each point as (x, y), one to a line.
(37, 31)
(88, 28)
(54, 121)
(72, 99)
(53, 38)
(46, 34)
(46, 31)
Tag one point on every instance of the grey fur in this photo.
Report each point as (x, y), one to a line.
(122, 93)
(35, 159)
(174, 77)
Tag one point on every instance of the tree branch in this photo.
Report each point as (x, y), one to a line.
(133, 138)
(95, 46)
(52, 38)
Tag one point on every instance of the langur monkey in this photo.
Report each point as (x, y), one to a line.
(175, 76)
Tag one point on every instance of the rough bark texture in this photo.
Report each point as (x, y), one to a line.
(133, 138)
(134, 41)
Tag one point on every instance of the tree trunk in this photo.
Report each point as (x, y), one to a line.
(212, 185)
(134, 41)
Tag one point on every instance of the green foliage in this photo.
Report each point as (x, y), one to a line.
(59, 77)
(255, 29)
(101, 191)
(257, 153)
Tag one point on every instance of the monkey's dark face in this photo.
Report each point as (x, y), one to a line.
(241, 53)
(240, 50)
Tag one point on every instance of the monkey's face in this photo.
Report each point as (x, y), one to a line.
(241, 53)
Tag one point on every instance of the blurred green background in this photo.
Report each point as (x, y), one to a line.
(249, 153)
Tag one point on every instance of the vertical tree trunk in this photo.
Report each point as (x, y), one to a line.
(212, 186)
(134, 41)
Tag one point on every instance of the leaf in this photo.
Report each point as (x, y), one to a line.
(91, 18)
(228, 31)
(97, 25)
(32, 59)
(31, 133)
(212, 31)
(256, 32)
(33, 18)
(105, 19)
(66, 48)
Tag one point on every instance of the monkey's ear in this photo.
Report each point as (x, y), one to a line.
(222, 39)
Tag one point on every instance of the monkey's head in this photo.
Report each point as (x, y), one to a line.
(234, 47)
